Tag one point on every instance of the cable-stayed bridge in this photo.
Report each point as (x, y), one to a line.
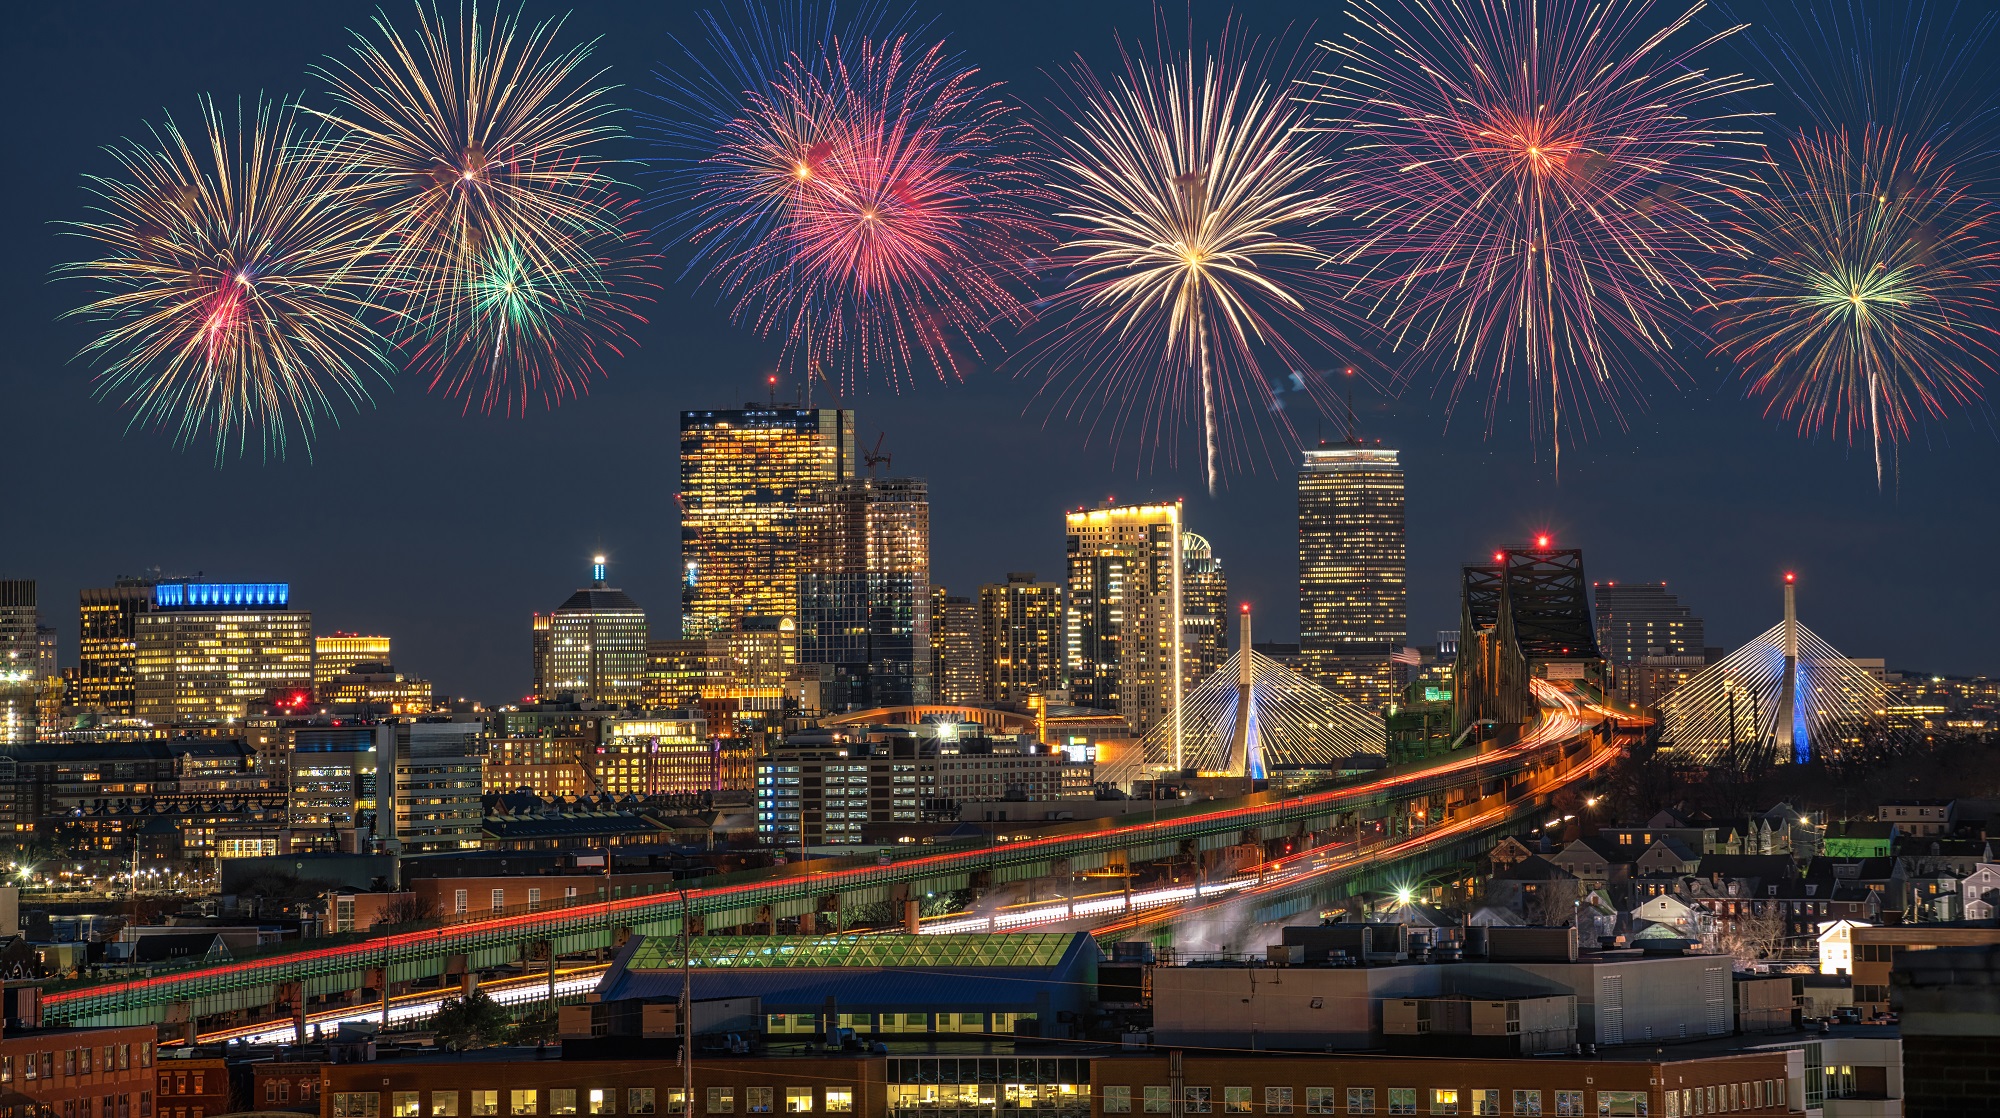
(1786, 695)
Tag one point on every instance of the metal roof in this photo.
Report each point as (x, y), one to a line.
(1013, 949)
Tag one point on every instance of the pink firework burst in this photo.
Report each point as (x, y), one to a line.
(1535, 185)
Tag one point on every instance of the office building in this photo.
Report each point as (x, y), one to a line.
(675, 671)
(206, 650)
(864, 604)
(1638, 623)
(1204, 610)
(20, 662)
(1020, 637)
(373, 690)
(1353, 614)
(1123, 641)
(751, 483)
(656, 755)
(539, 632)
(958, 672)
(341, 653)
(546, 748)
(433, 794)
(332, 778)
(597, 645)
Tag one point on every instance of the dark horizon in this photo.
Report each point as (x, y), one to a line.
(446, 531)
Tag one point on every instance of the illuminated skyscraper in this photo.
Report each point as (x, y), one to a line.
(539, 631)
(864, 590)
(1641, 621)
(205, 650)
(341, 653)
(1353, 616)
(20, 661)
(597, 645)
(751, 481)
(1021, 637)
(108, 645)
(956, 665)
(1123, 639)
(675, 671)
(1204, 610)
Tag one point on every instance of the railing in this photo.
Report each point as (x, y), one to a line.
(751, 889)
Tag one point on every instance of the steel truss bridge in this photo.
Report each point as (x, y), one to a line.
(1471, 782)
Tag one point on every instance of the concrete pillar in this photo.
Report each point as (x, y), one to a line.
(808, 923)
(912, 918)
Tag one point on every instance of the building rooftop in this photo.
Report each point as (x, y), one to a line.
(598, 598)
(1025, 949)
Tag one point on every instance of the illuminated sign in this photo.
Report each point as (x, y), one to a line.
(221, 595)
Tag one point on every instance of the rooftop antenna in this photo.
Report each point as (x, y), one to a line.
(1353, 430)
(772, 382)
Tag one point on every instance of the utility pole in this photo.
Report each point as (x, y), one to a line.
(687, 1010)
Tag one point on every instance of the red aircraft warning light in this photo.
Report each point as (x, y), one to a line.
(1790, 577)
(1541, 541)
(1246, 607)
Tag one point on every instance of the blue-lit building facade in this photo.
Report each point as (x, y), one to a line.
(204, 651)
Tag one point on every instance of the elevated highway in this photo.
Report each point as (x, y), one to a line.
(1459, 787)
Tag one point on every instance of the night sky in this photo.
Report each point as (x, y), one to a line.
(446, 530)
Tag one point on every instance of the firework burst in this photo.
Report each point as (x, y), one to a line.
(1534, 183)
(475, 144)
(225, 281)
(1191, 225)
(855, 196)
(1868, 300)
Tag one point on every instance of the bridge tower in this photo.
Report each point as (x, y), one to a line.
(1246, 750)
(1526, 614)
(1790, 723)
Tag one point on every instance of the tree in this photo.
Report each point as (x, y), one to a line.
(472, 1021)
(1553, 902)
(1755, 934)
(410, 908)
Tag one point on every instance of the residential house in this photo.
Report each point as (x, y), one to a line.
(1809, 903)
(1884, 876)
(1853, 839)
(1918, 817)
(1704, 837)
(1686, 921)
(1836, 945)
(1510, 851)
(1594, 860)
(1540, 891)
(1979, 892)
(1667, 857)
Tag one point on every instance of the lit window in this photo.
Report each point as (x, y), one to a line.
(485, 1104)
(444, 1104)
(562, 1100)
(404, 1104)
(798, 1100)
(520, 1102)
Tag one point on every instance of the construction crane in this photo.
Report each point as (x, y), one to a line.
(876, 457)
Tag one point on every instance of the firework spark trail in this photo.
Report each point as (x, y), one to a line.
(1191, 215)
(856, 198)
(1534, 183)
(225, 284)
(1870, 290)
(920, 235)
(476, 143)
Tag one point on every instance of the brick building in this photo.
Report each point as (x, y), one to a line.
(1876, 951)
(77, 1073)
(503, 1084)
(196, 1087)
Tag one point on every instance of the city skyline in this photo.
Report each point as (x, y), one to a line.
(1666, 500)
